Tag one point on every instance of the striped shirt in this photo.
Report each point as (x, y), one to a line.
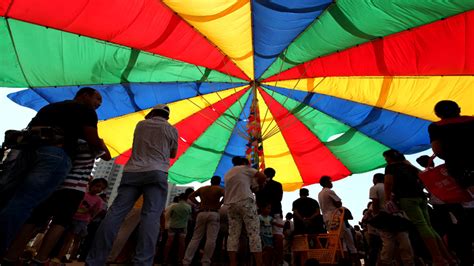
(80, 174)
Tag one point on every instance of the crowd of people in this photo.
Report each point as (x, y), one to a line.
(48, 198)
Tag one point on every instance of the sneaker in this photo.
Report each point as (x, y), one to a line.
(56, 262)
(34, 262)
(27, 255)
(64, 259)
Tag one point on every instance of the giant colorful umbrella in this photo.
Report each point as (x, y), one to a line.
(309, 88)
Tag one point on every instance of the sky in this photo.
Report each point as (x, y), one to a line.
(353, 190)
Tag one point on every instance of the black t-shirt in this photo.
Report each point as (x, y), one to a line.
(271, 193)
(406, 183)
(306, 207)
(456, 136)
(71, 117)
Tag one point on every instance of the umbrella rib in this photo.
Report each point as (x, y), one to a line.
(208, 118)
(218, 95)
(264, 119)
(311, 102)
(296, 119)
(243, 135)
(292, 91)
(287, 97)
(230, 78)
(266, 112)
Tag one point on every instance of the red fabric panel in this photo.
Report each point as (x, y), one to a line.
(4, 4)
(440, 48)
(311, 157)
(146, 25)
(124, 157)
(192, 127)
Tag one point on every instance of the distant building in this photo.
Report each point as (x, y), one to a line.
(174, 190)
(110, 171)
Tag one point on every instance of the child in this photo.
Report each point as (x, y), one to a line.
(266, 233)
(92, 227)
(288, 229)
(90, 206)
(278, 238)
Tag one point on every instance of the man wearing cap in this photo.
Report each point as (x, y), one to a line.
(155, 141)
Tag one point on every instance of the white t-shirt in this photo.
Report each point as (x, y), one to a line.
(153, 140)
(277, 225)
(326, 200)
(237, 183)
(377, 191)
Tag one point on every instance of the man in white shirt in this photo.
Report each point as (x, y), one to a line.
(155, 141)
(329, 202)
(242, 208)
(390, 238)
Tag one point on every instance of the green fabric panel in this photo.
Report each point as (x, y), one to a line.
(54, 58)
(351, 22)
(199, 162)
(10, 72)
(355, 150)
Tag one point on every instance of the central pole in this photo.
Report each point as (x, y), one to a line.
(254, 151)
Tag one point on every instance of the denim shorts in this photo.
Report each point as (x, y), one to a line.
(267, 241)
(177, 231)
(79, 227)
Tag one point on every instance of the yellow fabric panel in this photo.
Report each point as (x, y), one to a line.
(118, 132)
(291, 186)
(226, 23)
(276, 153)
(411, 95)
(183, 109)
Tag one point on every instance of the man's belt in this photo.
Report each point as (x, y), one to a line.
(44, 135)
(33, 137)
(208, 210)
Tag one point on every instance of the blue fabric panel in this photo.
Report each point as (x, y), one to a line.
(121, 99)
(276, 24)
(28, 98)
(402, 132)
(237, 143)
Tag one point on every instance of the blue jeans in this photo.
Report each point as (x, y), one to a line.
(46, 168)
(154, 187)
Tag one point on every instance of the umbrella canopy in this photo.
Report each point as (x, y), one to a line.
(309, 88)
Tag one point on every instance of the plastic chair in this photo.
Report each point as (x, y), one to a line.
(324, 247)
